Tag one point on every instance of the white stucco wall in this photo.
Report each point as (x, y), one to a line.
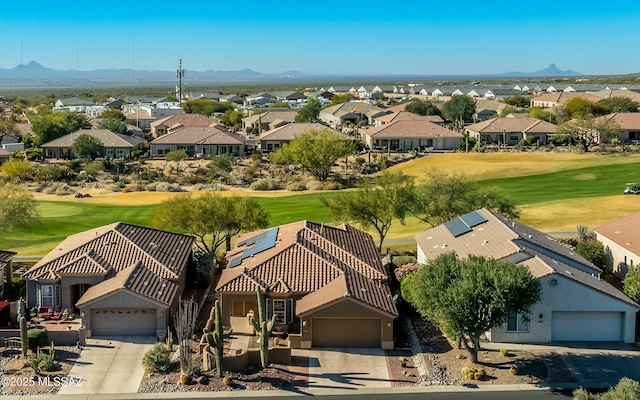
(618, 254)
(567, 295)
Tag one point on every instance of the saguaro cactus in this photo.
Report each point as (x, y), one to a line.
(263, 328)
(215, 339)
(24, 339)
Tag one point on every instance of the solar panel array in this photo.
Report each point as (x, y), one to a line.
(259, 243)
(461, 225)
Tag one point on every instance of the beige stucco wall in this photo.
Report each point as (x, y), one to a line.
(618, 254)
(125, 300)
(344, 309)
(567, 295)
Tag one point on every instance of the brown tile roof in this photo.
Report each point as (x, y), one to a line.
(504, 239)
(625, 232)
(307, 259)
(292, 130)
(186, 120)
(106, 251)
(6, 255)
(271, 116)
(217, 134)
(609, 93)
(524, 125)
(108, 139)
(563, 97)
(405, 115)
(411, 129)
(627, 121)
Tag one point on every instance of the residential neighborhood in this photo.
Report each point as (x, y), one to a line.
(283, 239)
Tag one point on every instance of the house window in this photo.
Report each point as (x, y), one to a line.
(280, 311)
(514, 138)
(517, 323)
(46, 296)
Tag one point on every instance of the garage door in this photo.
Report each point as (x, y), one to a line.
(338, 332)
(131, 322)
(586, 326)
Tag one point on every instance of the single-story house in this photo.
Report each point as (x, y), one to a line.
(73, 104)
(577, 303)
(207, 141)
(267, 120)
(326, 285)
(122, 279)
(349, 113)
(405, 115)
(115, 144)
(167, 124)
(511, 130)
(274, 139)
(553, 99)
(622, 240)
(629, 122)
(409, 134)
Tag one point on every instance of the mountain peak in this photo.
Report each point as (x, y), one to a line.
(31, 65)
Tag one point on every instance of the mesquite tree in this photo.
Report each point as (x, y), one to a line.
(468, 297)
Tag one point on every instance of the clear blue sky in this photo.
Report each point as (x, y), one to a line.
(326, 37)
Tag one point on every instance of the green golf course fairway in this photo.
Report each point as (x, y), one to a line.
(555, 194)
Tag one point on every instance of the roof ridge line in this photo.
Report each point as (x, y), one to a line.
(162, 266)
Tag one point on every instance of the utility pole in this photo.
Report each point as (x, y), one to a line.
(180, 75)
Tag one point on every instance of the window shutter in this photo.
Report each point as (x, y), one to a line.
(268, 305)
(39, 295)
(292, 315)
(56, 296)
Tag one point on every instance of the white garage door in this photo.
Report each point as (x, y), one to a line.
(130, 322)
(586, 326)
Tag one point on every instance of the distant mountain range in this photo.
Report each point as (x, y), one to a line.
(36, 75)
(551, 70)
(35, 70)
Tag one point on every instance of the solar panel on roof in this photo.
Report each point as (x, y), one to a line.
(457, 227)
(235, 261)
(258, 243)
(473, 218)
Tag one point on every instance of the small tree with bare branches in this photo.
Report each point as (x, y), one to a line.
(185, 321)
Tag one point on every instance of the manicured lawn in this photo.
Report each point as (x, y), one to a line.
(555, 191)
(63, 218)
(607, 180)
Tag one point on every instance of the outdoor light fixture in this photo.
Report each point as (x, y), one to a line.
(304, 323)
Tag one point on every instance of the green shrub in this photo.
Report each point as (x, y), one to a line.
(296, 186)
(37, 338)
(227, 380)
(404, 260)
(514, 370)
(264, 184)
(157, 359)
(504, 352)
(332, 186)
(42, 361)
(164, 187)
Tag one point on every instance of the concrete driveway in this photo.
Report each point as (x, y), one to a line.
(110, 365)
(600, 364)
(345, 368)
(584, 364)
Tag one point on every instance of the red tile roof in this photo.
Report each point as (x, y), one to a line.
(310, 259)
(106, 251)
